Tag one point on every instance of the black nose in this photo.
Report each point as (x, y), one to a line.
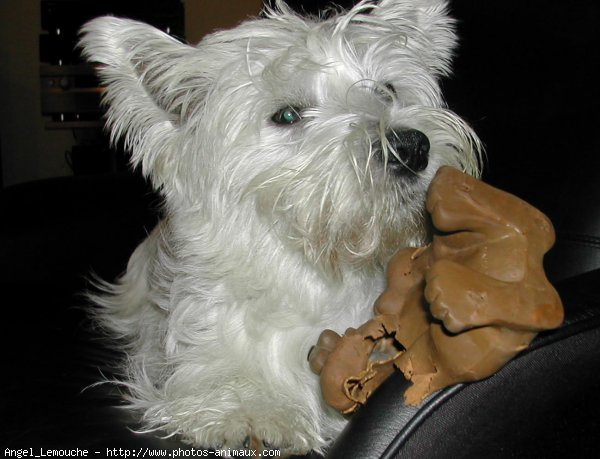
(411, 149)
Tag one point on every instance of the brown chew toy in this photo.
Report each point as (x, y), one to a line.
(456, 310)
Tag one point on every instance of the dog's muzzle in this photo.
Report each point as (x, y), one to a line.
(410, 151)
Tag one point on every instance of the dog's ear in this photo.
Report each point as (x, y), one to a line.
(147, 95)
(428, 27)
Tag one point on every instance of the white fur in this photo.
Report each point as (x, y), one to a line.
(271, 233)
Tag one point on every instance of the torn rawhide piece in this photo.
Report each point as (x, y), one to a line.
(354, 376)
(454, 311)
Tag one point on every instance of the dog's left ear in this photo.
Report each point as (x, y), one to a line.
(435, 36)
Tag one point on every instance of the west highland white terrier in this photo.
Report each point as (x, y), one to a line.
(293, 155)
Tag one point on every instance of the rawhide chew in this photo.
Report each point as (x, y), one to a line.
(456, 310)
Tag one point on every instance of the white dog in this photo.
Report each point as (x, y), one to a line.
(293, 155)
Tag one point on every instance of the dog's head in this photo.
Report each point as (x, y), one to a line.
(324, 131)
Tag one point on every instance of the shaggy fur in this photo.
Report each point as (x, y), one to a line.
(274, 229)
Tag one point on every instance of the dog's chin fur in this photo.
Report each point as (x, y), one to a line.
(271, 232)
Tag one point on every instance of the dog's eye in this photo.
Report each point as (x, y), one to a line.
(287, 115)
(387, 91)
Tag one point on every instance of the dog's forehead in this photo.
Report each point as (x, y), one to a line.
(323, 50)
(288, 57)
(327, 41)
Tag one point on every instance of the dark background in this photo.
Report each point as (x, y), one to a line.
(525, 78)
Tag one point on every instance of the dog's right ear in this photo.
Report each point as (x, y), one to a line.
(147, 95)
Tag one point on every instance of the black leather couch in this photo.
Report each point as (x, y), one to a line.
(524, 80)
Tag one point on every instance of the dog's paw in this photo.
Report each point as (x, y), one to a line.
(251, 447)
(257, 427)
